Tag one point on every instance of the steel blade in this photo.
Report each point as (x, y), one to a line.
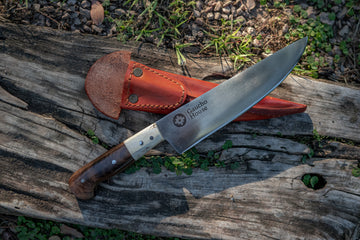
(188, 125)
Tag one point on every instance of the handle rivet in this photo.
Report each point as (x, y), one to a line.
(113, 162)
(133, 98)
(82, 180)
(141, 142)
(138, 72)
(151, 138)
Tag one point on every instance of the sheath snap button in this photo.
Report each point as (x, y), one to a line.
(133, 98)
(138, 72)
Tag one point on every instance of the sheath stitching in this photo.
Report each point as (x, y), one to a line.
(181, 100)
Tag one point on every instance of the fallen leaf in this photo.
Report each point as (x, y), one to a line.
(66, 230)
(97, 12)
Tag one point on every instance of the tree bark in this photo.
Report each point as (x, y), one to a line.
(44, 113)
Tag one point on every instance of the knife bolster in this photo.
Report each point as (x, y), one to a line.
(143, 141)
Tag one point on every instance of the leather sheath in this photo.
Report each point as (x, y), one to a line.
(116, 82)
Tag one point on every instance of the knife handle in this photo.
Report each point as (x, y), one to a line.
(83, 182)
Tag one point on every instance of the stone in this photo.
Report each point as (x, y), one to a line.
(36, 6)
(329, 60)
(236, 3)
(251, 31)
(199, 21)
(304, 5)
(71, 9)
(256, 43)
(85, 4)
(65, 16)
(112, 31)
(71, 2)
(225, 16)
(197, 13)
(74, 15)
(233, 10)
(227, 3)
(241, 19)
(199, 5)
(208, 9)
(73, 28)
(335, 9)
(96, 29)
(285, 29)
(218, 6)
(311, 12)
(217, 16)
(86, 28)
(85, 12)
(226, 10)
(336, 51)
(54, 238)
(77, 21)
(190, 38)
(47, 22)
(210, 16)
(194, 29)
(324, 18)
(41, 20)
(342, 13)
(239, 11)
(66, 230)
(120, 11)
(344, 31)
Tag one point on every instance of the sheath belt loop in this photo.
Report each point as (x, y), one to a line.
(147, 89)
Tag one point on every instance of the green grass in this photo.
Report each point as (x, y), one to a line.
(160, 22)
(226, 42)
(185, 163)
(168, 27)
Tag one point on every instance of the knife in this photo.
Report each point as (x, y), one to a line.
(194, 121)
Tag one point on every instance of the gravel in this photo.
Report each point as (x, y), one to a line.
(268, 25)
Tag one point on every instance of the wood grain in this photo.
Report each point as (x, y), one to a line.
(44, 113)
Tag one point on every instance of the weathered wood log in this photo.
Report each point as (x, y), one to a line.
(44, 112)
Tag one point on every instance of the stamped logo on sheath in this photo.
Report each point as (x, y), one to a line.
(179, 120)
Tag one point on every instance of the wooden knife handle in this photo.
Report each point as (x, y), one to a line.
(83, 182)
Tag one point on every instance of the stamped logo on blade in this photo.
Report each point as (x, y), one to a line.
(179, 120)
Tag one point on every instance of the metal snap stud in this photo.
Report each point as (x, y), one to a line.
(138, 72)
(133, 98)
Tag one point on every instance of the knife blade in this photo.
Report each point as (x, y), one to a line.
(194, 121)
